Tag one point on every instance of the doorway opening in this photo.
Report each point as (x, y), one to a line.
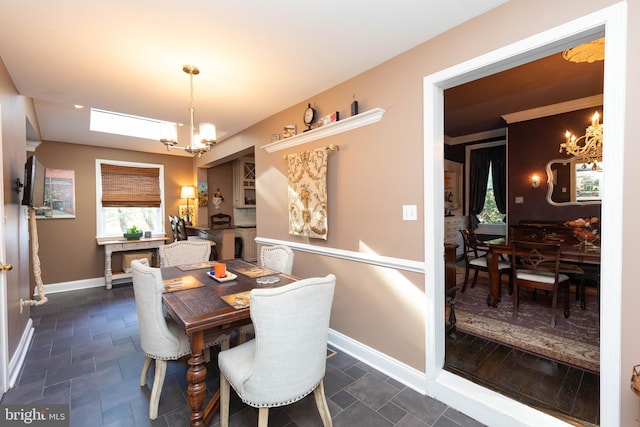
(478, 401)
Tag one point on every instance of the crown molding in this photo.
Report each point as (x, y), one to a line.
(553, 109)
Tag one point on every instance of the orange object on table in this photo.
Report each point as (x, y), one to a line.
(220, 269)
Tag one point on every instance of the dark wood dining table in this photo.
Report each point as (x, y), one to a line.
(204, 314)
(570, 251)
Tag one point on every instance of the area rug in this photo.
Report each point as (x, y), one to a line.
(574, 341)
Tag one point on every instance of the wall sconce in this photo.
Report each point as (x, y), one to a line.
(535, 181)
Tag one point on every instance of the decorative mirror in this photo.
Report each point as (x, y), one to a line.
(574, 182)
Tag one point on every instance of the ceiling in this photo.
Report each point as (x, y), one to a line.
(256, 58)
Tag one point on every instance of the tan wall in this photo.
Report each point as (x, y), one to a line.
(13, 109)
(378, 169)
(68, 249)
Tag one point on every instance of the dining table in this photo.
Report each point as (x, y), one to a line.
(570, 251)
(206, 306)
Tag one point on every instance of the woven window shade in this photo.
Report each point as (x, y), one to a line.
(131, 187)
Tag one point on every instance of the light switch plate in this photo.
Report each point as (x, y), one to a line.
(520, 199)
(409, 212)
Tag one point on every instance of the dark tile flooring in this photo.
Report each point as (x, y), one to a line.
(86, 353)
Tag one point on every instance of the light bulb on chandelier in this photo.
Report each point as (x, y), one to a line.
(199, 142)
(587, 147)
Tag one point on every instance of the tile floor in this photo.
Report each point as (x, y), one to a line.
(86, 353)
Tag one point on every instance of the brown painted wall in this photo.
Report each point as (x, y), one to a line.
(68, 249)
(532, 144)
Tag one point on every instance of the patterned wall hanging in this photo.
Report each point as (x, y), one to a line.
(307, 178)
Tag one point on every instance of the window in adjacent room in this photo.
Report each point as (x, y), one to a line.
(486, 176)
(129, 194)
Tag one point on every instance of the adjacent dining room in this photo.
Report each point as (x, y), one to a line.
(522, 209)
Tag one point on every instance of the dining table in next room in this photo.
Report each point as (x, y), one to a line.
(570, 251)
(197, 302)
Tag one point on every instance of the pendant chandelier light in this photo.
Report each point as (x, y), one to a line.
(199, 142)
(587, 147)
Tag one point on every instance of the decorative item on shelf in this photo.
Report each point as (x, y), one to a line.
(354, 106)
(289, 130)
(309, 115)
(535, 181)
(588, 146)
(585, 230)
(217, 199)
(275, 137)
(199, 142)
(330, 118)
(188, 192)
(133, 233)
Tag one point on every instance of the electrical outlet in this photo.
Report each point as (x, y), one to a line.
(519, 199)
(409, 212)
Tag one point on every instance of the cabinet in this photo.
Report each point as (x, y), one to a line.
(249, 246)
(452, 225)
(244, 183)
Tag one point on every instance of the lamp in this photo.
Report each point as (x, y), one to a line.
(535, 181)
(589, 145)
(198, 143)
(188, 192)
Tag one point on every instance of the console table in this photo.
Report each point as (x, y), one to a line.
(112, 245)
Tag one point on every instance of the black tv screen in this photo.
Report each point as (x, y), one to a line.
(34, 172)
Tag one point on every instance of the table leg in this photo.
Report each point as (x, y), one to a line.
(108, 277)
(196, 391)
(494, 278)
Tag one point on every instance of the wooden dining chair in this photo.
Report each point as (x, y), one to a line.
(475, 258)
(220, 220)
(536, 265)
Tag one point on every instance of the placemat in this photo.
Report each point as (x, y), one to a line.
(198, 266)
(180, 284)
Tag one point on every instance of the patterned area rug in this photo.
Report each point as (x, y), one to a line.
(574, 341)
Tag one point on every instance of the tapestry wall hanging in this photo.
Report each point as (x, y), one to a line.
(307, 179)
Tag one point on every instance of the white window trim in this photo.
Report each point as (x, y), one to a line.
(492, 229)
(99, 163)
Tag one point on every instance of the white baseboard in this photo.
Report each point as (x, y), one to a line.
(407, 375)
(74, 285)
(15, 365)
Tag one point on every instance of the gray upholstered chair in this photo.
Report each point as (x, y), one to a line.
(287, 359)
(161, 338)
(184, 252)
(277, 257)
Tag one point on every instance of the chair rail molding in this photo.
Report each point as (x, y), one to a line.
(344, 125)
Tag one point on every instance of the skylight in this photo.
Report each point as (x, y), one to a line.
(124, 124)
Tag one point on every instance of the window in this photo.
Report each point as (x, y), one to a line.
(485, 202)
(129, 194)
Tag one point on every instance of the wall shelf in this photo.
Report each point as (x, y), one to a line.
(353, 122)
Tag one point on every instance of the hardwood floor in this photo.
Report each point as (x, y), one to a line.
(563, 391)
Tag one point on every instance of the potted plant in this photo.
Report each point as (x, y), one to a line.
(133, 233)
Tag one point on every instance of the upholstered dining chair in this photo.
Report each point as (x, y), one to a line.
(161, 338)
(184, 252)
(287, 359)
(173, 221)
(277, 257)
(536, 265)
(475, 258)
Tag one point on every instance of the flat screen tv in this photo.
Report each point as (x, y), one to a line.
(33, 194)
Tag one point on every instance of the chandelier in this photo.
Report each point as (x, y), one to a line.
(199, 142)
(588, 146)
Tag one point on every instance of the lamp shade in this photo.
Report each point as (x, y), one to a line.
(188, 192)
